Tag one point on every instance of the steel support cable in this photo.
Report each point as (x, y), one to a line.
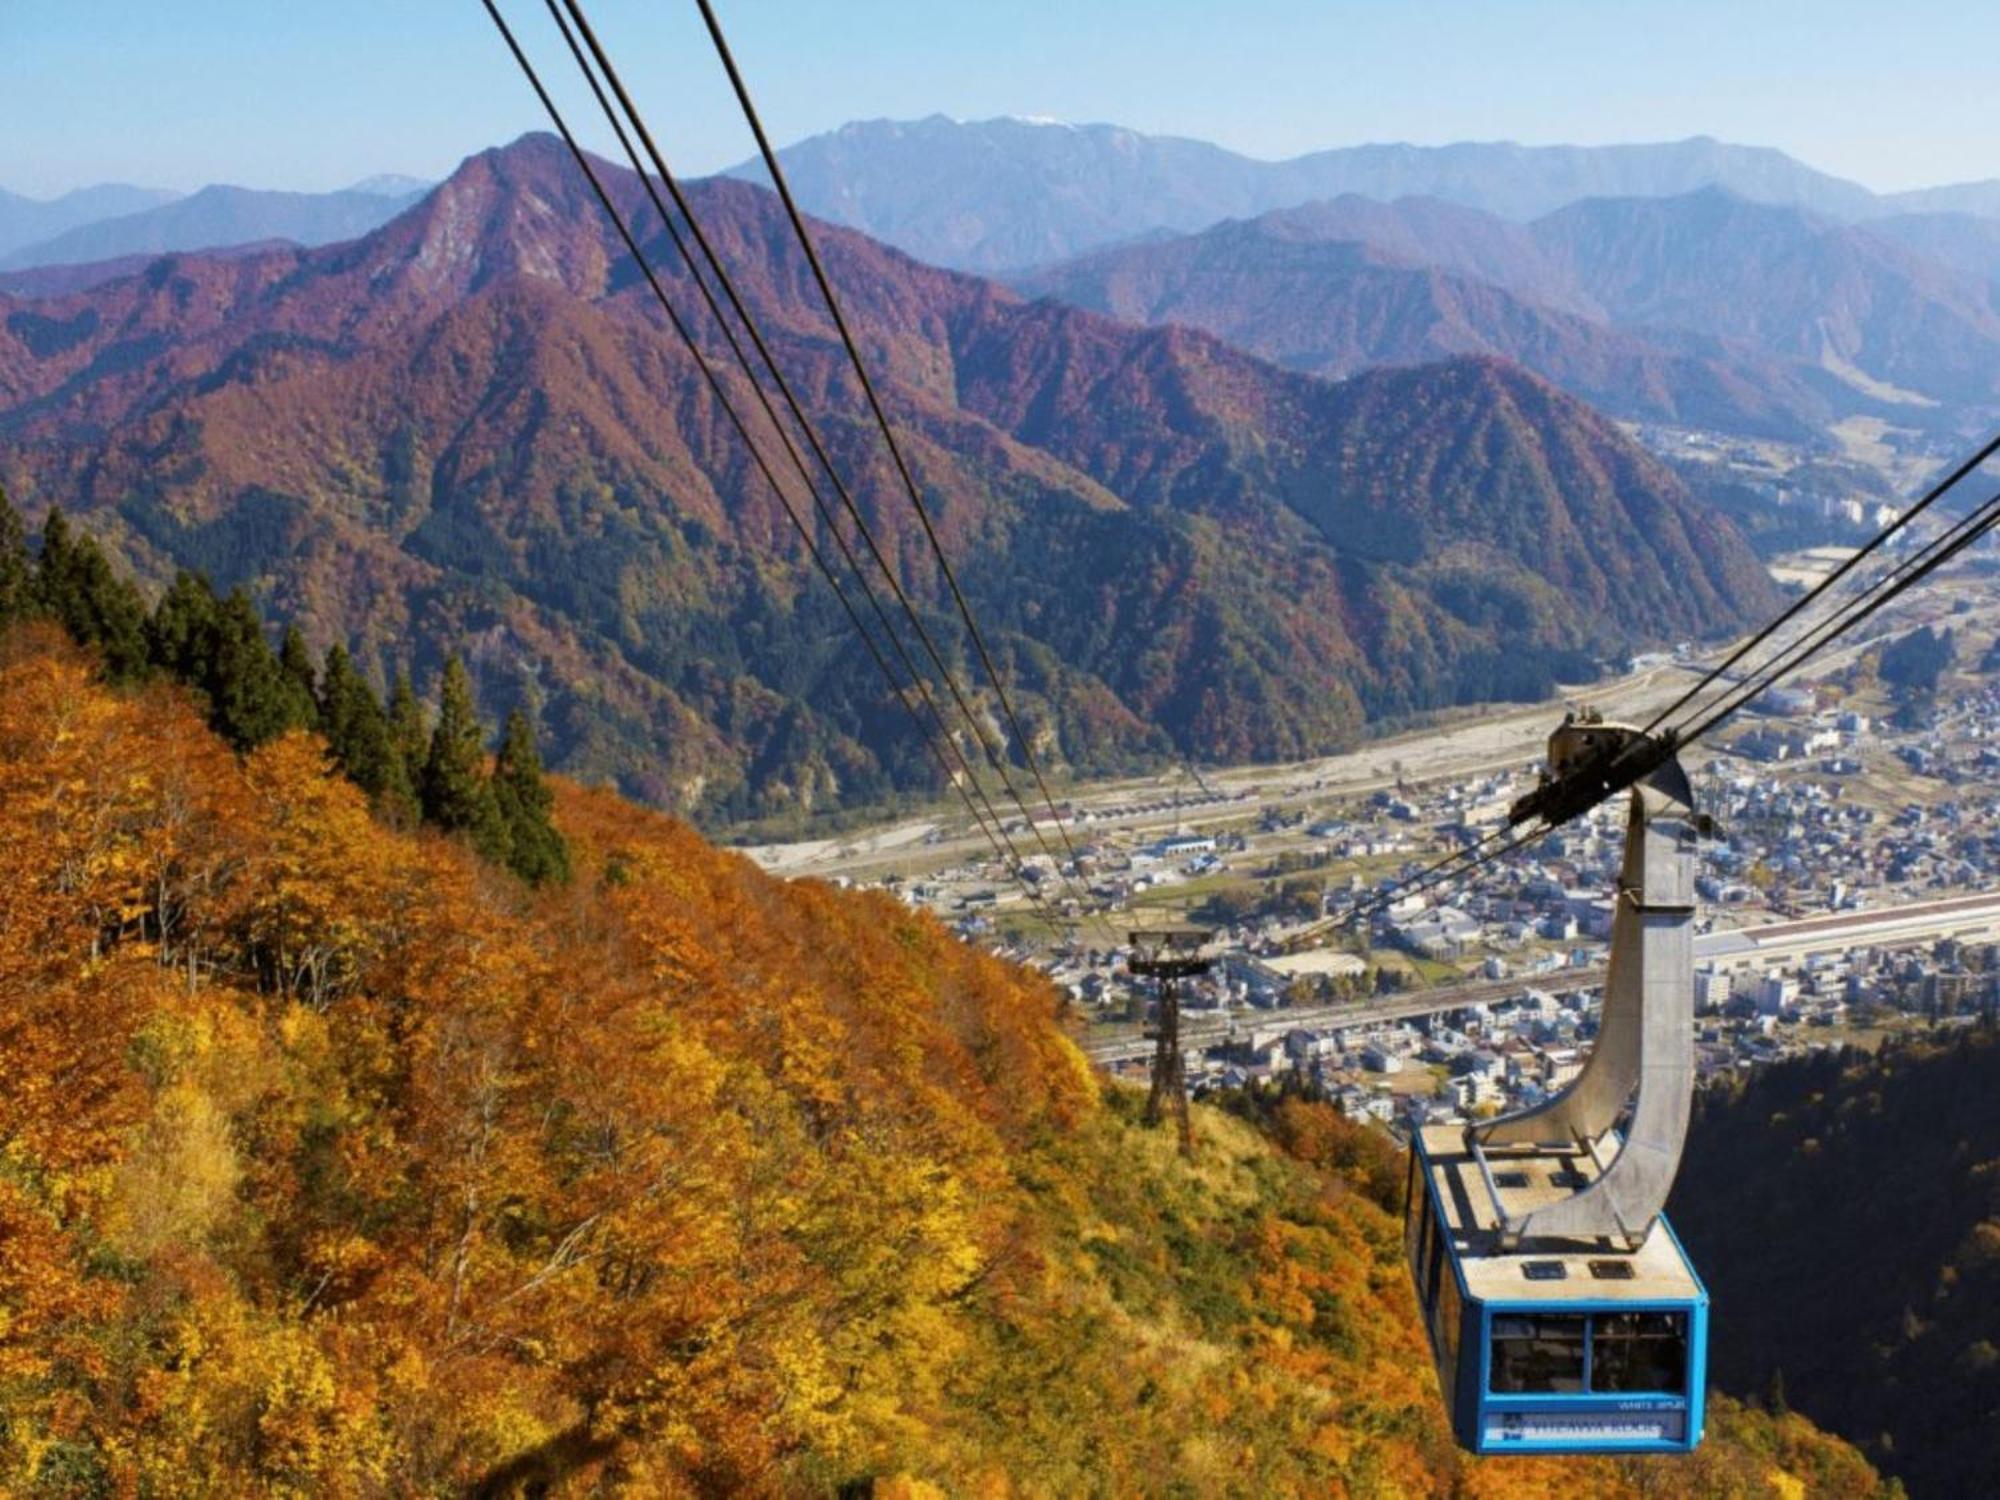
(1905, 576)
(882, 419)
(1881, 592)
(1453, 867)
(996, 835)
(1982, 521)
(1930, 497)
(1764, 674)
(805, 476)
(1439, 868)
(1444, 876)
(727, 284)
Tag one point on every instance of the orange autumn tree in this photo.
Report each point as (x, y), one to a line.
(335, 1161)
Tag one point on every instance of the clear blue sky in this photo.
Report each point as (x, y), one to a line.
(314, 94)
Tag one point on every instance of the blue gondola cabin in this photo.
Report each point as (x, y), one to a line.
(1552, 1346)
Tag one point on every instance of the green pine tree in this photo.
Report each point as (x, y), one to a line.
(181, 635)
(17, 574)
(55, 566)
(536, 851)
(249, 698)
(359, 735)
(457, 793)
(340, 687)
(75, 583)
(296, 669)
(407, 726)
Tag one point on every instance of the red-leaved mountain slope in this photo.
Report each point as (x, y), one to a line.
(471, 428)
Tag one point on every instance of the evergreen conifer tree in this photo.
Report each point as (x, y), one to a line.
(53, 568)
(16, 568)
(358, 733)
(408, 728)
(295, 668)
(457, 794)
(181, 635)
(74, 583)
(536, 851)
(250, 700)
(339, 687)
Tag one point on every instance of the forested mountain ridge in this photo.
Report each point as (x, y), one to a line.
(338, 1164)
(410, 768)
(1702, 310)
(1845, 1210)
(488, 436)
(1334, 306)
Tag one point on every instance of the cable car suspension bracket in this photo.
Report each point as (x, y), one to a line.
(1643, 1058)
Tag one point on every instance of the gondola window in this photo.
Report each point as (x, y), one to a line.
(1536, 1354)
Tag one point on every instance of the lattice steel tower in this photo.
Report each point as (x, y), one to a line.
(1169, 955)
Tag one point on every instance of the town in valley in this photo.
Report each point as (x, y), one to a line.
(1845, 893)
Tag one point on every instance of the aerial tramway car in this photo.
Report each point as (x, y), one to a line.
(1562, 1311)
(1572, 1347)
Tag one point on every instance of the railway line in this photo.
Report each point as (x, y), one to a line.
(1972, 917)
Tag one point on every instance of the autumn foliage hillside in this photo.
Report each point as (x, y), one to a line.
(471, 430)
(336, 1162)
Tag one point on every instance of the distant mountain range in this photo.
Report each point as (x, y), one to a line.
(29, 221)
(61, 280)
(392, 185)
(1004, 194)
(1008, 194)
(1784, 281)
(1705, 309)
(218, 217)
(469, 428)
(1958, 240)
(1693, 283)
